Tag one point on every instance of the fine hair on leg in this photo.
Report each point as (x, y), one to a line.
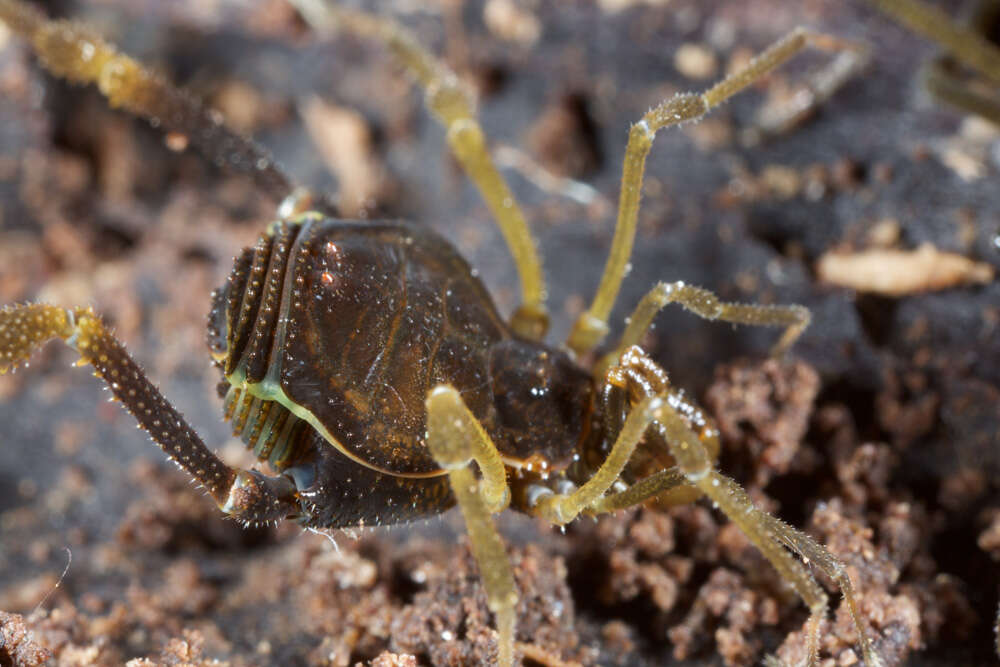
(707, 305)
(456, 439)
(247, 496)
(69, 50)
(695, 468)
(592, 326)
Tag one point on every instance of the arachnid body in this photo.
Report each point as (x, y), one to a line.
(322, 334)
(366, 356)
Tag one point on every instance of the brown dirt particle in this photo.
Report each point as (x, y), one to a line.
(450, 624)
(386, 659)
(763, 411)
(989, 539)
(183, 651)
(562, 138)
(17, 645)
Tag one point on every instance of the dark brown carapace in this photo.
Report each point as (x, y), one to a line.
(333, 332)
(368, 366)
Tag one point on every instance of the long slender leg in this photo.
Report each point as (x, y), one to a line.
(452, 104)
(456, 439)
(811, 94)
(812, 552)
(776, 530)
(643, 490)
(592, 326)
(945, 84)
(695, 467)
(705, 304)
(966, 46)
(70, 51)
(954, 85)
(245, 495)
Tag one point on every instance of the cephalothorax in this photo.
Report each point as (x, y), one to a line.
(366, 356)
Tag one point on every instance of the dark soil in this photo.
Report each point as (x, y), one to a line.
(879, 436)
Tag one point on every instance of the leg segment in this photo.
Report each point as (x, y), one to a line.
(966, 46)
(705, 304)
(946, 80)
(961, 92)
(812, 552)
(695, 468)
(245, 495)
(560, 509)
(70, 51)
(451, 103)
(592, 326)
(643, 490)
(775, 119)
(634, 377)
(456, 439)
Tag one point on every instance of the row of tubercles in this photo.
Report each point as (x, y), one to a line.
(267, 427)
(256, 357)
(245, 286)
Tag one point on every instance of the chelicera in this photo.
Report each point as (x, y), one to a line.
(368, 366)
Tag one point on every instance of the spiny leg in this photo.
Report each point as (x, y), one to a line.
(813, 552)
(70, 51)
(452, 104)
(707, 305)
(645, 489)
(592, 326)
(645, 385)
(245, 495)
(456, 439)
(695, 468)
(561, 508)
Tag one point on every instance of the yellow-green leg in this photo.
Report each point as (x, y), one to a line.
(963, 45)
(592, 326)
(456, 439)
(707, 305)
(813, 92)
(695, 468)
(966, 46)
(452, 104)
(71, 51)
